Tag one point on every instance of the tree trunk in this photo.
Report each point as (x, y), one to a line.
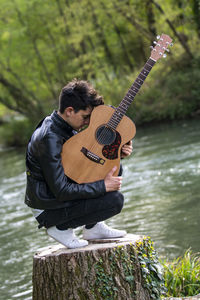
(196, 14)
(151, 19)
(105, 269)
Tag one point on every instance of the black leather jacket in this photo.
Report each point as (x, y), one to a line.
(47, 185)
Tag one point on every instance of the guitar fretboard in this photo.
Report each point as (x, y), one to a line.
(121, 110)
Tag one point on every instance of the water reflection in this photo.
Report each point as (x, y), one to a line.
(161, 188)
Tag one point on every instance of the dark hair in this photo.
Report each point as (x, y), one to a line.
(79, 94)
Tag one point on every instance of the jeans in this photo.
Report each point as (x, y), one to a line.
(83, 212)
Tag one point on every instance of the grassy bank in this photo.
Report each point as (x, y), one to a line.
(182, 275)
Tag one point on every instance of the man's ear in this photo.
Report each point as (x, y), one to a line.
(69, 111)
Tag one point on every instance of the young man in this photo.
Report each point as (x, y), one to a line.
(58, 203)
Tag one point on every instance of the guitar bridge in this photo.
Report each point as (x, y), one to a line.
(92, 156)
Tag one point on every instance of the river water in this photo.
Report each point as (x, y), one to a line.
(162, 200)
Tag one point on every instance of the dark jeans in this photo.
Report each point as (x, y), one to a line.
(83, 212)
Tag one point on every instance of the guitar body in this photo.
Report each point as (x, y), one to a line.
(96, 150)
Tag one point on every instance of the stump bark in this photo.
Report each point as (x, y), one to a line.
(105, 269)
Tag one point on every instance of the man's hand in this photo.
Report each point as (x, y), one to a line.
(127, 149)
(112, 183)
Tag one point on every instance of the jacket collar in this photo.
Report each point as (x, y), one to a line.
(63, 127)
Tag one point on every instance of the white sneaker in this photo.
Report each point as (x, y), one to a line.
(66, 237)
(102, 231)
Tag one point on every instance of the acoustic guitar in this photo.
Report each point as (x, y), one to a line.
(90, 154)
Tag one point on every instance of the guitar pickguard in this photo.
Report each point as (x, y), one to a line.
(111, 151)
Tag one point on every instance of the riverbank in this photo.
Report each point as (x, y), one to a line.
(16, 132)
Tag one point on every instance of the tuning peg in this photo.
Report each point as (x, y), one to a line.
(171, 44)
(154, 42)
(165, 49)
(158, 37)
(161, 54)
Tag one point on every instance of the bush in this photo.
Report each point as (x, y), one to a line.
(171, 92)
(16, 133)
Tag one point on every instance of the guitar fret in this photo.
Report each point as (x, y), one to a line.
(139, 81)
(126, 102)
(111, 126)
(144, 72)
(134, 89)
(118, 112)
(151, 62)
(114, 123)
(121, 110)
(128, 98)
(137, 85)
(132, 93)
(110, 123)
(118, 117)
(115, 115)
(116, 120)
(123, 105)
(142, 77)
(148, 67)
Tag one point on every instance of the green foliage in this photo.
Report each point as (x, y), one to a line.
(182, 275)
(16, 133)
(104, 282)
(107, 43)
(142, 257)
(152, 271)
(103, 42)
(172, 92)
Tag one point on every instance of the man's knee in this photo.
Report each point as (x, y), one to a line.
(118, 201)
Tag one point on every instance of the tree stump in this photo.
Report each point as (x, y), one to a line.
(125, 268)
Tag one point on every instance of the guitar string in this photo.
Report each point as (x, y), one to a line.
(105, 132)
(112, 121)
(101, 137)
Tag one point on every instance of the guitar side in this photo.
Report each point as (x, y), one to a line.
(84, 169)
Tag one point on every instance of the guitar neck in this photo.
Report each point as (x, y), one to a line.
(130, 95)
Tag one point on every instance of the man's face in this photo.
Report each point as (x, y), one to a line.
(77, 120)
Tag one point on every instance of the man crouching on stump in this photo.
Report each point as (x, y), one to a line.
(58, 203)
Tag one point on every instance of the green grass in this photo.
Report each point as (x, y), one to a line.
(182, 275)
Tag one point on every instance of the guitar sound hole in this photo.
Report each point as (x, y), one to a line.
(105, 135)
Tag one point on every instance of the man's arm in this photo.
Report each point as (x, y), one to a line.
(49, 157)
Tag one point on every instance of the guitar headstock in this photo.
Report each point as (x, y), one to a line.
(164, 41)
